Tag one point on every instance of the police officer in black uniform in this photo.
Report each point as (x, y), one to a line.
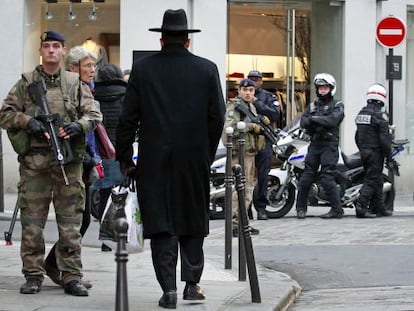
(321, 119)
(374, 142)
(266, 105)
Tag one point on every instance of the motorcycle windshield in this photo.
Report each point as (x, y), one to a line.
(293, 125)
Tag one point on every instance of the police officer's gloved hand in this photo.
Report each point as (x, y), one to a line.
(265, 120)
(393, 167)
(73, 129)
(35, 127)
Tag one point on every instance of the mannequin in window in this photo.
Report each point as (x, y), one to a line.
(99, 51)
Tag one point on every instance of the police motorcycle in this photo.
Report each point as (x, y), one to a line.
(217, 185)
(292, 148)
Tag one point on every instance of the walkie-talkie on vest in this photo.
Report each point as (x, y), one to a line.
(61, 148)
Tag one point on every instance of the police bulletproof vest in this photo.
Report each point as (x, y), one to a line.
(366, 128)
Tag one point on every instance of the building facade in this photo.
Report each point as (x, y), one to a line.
(238, 36)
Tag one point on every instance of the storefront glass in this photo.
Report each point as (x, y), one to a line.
(275, 39)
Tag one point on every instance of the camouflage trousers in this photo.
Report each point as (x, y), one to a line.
(36, 190)
(250, 170)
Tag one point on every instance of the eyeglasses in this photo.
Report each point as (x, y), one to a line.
(90, 65)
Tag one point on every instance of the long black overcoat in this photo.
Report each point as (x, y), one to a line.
(175, 100)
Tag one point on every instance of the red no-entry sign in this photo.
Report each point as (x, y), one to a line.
(391, 31)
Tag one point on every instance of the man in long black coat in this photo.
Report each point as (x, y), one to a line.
(175, 101)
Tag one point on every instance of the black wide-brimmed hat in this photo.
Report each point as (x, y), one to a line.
(174, 21)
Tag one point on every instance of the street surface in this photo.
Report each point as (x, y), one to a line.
(344, 264)
(347, 264)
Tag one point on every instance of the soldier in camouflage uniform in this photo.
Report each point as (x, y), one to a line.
(254, 142)
(41, 180)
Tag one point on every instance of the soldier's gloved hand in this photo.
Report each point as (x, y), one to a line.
(265, 120)
(35, 128)
(73, 129)
(255, 128)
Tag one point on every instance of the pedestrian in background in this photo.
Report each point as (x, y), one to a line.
(110, 89)
(254, 142)
(41, 180)
(321, 120)
(266, 105)
(374, 142)
(175, 100)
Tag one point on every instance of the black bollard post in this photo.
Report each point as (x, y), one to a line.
(248, 245)
(121, 257)
(228, 181)
(241, 126)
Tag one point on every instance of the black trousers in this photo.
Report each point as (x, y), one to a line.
(164, 250)
(371, 190)
(263, 162)
(327, 157)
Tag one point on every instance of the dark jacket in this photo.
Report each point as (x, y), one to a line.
(322, 119)
(110, 95)
(267, 104)
(373, 130)
(176, 101)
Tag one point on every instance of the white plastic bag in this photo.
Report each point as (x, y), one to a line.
(135, 230)
(123, 202)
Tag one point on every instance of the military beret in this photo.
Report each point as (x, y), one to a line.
(255, 73)
(52, 36)
(246, 83)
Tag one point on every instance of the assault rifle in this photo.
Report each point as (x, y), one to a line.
(61, 148)
(267, 130)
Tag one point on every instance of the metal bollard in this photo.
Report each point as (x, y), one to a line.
(121, 257)
(228, 181)
(248, 245)
(241, 126)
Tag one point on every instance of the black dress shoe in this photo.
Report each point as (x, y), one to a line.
(261, 214)
(54, 274)
(333, 214)
(76, 288)
(32, 286)
(301, 214)
(193, 292)
(168, 300)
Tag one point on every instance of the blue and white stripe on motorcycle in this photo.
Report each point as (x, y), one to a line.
(296, 158)
(396, 151)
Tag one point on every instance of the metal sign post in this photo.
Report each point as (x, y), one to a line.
(391, 32)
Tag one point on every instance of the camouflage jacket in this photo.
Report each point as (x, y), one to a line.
(254, 142)
(69, 98)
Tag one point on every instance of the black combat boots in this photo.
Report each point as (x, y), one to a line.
(32, 286)
(333, 213)
(75, 288)
(261, 213)
(363, 212)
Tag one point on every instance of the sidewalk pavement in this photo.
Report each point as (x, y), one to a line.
(221, 286)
